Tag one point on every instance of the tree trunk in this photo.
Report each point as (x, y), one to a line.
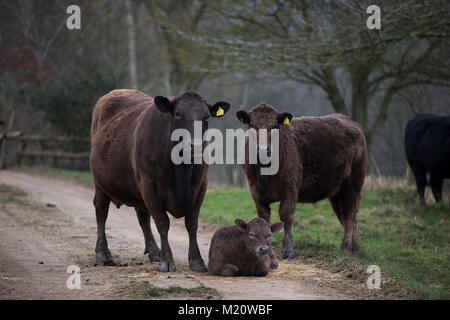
(132, 65)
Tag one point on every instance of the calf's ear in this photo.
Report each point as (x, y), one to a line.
(275, 227)
(163, 104)
(218, 109)
(284, 118)
(241, 224)
(243, 117)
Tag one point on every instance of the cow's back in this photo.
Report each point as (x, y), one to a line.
(329, 146)
(114, 117)
(117, 101)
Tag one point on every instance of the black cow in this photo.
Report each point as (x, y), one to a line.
(427, 145)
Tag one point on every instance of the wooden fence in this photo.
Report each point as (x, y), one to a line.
(44, 150)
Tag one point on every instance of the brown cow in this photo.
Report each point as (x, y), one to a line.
(319, 157)
(243, 249)
(131, 164)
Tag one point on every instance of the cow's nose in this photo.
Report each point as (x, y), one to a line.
(263, 250)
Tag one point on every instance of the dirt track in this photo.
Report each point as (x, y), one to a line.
(39, 241)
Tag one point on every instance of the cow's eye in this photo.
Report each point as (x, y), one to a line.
(251, 234)
(177, 114)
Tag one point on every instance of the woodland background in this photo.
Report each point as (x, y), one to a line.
(304, 57)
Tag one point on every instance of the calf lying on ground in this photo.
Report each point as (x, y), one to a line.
(243, 249)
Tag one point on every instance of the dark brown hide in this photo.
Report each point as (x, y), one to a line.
(243, 249)
(320, 157)
(131, 165)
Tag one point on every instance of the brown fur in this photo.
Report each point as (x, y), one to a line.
(320, 157)
(243, 249)
(131, 164)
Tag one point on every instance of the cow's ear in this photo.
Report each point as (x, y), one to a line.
(243, 116)
(218, 109)
(241, 224)
(284, 118)
(163, 104)
(277, 226)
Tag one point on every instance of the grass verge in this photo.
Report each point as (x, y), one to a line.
(410, 244)
(82, 176)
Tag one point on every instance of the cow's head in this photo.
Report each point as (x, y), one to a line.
(257, 234)
(264, 116)
(188, 108)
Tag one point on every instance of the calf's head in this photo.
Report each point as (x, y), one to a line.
(264, 116)
(257, 234)
(188, 108)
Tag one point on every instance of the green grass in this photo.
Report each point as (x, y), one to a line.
(408, 242)
(10, 194)
(83, 176)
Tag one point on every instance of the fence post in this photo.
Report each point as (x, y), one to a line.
(23, 145)
(2, 142)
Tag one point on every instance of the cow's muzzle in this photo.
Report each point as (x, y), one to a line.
(263, 250)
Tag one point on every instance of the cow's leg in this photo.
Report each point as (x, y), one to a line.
(346, 207)
(287, 209)
(191, 222)
(336, 205)
(420, 174)
(101, 203)
(347, 201)
(158, 211)
(436, 181)
(263, 209)
(229, 270)
(166, 264)
(150, 244)
(355, 240)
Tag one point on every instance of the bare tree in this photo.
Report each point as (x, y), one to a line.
(132, 64)
(327, 44)
(185, 66)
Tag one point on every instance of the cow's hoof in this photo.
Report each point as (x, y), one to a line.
(104, 258)
(154, 258)
(198, 266)
(154, 255)
(346, 248)
(355, 247)
(167, 266)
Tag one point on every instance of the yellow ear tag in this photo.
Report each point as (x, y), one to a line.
(220, 112)
(286, 120)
